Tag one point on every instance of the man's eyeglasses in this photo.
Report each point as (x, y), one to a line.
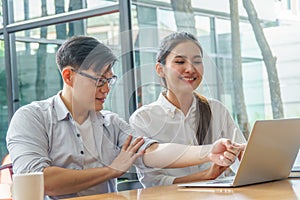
(99, 81)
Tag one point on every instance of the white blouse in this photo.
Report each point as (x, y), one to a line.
(162, 121)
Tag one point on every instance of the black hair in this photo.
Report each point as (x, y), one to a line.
(84, 52)
(204, 118)
(171, 41)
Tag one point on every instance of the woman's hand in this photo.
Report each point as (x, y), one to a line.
(224, 152)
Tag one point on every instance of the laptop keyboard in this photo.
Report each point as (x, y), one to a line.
(224, 180)
(296, 169)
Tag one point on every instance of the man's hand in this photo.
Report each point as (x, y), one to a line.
(224, 152)
(127, 156)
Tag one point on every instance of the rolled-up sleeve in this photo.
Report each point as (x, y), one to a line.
(27, 141)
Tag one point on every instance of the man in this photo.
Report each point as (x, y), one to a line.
(82, 150)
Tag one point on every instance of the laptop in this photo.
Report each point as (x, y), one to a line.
(269, 155)
(295, 172)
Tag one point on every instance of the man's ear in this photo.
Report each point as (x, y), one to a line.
(160, 69)
(67, 76)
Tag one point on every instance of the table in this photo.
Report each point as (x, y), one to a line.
(284, 189)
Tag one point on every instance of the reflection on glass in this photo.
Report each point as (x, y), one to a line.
(36, 77)
(31, 9)
(213, 28)
(3, 103)
(36, 60)
(152, 20)
(1, 17)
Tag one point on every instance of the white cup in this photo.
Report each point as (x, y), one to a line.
(28, 186)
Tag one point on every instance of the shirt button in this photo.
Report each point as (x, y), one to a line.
(81, 152)
(78, 135)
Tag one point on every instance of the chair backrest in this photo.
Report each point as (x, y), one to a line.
(129, 185)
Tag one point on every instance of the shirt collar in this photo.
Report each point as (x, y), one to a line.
(169, 107)
(61, 110)
(165, 103)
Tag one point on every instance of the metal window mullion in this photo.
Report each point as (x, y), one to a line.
(12, 90)
(61, 18)
(214, 47)
(127, 57)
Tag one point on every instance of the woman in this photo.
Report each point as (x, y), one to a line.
(180, 115)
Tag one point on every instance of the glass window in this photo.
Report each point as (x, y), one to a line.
(288, 4)
(31, 9)
(146, 25)
(213, 5)
(1, 15)
(3, 103)
(212, 22)
(38, 76)
(153, 20)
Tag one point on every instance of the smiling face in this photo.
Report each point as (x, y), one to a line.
(183, 68)
(85, 93)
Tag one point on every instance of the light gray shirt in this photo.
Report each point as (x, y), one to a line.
(163, 122)
(44, 134)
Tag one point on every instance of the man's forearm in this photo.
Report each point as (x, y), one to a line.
(170, 155)
(60, 181)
